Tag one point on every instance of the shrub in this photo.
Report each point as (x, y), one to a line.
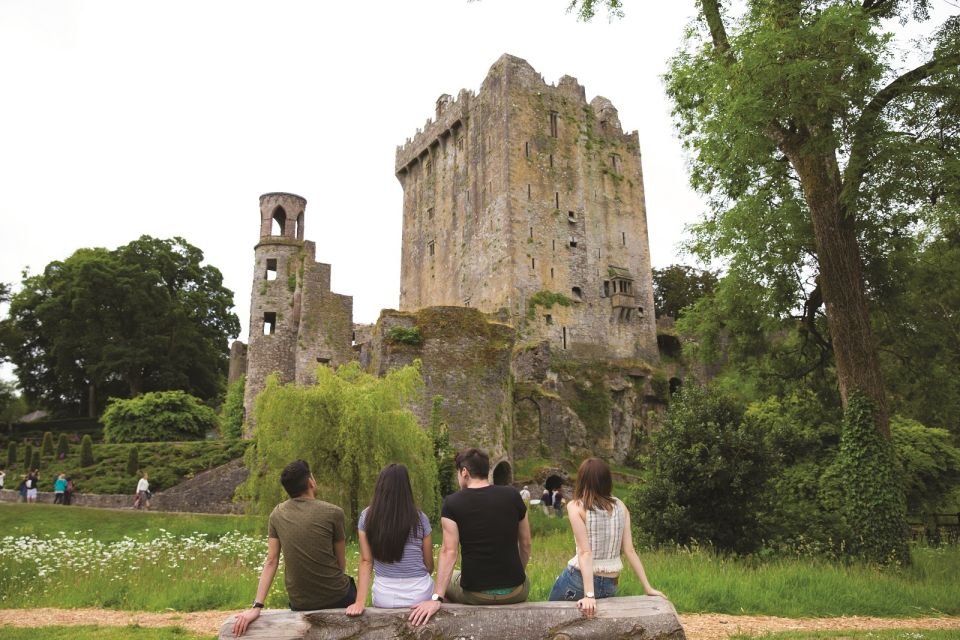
(86, 451)
(46, 448)
(28, 456)
(873, 502)
(157, 416)
(36, 461)
(706, 475)
(929, 461)
(63, 446)
(231, 413)
(133, 461)
(399, 334)
(11, 454)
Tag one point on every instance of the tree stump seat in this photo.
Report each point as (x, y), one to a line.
(644, 617)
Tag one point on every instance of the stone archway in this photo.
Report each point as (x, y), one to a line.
(503, 473)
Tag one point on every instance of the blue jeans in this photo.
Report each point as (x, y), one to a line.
(569, 586)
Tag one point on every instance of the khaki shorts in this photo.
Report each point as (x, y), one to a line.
(456, 593)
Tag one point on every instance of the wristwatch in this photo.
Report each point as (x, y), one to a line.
(437, 598)
(257, 605)
(588, 594)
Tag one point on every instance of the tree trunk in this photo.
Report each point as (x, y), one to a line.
(91, 400)
(858, 366)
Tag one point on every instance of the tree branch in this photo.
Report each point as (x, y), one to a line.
(864, 132)
(718, 33)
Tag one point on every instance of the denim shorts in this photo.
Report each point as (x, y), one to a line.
(569, 586)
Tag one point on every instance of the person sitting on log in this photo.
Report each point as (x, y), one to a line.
(489, 524)
(395, 544)
(601, 530)
(310, 534)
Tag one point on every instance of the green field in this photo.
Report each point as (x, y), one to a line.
(73, 557)
(92, 632)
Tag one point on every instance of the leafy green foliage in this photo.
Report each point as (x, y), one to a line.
(231, 413)
(86, 451)
(46, 449)
(36, 460)
(146, 316)
(873, 503)
(546, 299)
(28, 456)
(347, 427)
(678, 286)
(63, 445)
(133, 461)
(400, 334)
(706, 475)
(929, 461)
(443, 453)
(156, 416)
(11, 454)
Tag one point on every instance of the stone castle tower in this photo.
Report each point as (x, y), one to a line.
(296, 322)
(524, 197)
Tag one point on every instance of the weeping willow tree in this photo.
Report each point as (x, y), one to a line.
(347, 427)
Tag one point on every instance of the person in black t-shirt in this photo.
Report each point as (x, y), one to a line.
(489, 524)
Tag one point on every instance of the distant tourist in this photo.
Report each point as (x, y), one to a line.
(23, 488)
(31, 483)
(59, 487)
(142, 501)
(601, 530)
(525, 494)
(489, 524)
(309, 533)
(68, 492)
(558, 502)
(546, 502)
(395, 546)
(3, 474)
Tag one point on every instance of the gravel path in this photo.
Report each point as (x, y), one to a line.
(697, 626)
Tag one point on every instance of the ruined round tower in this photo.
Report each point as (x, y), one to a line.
(296, 322)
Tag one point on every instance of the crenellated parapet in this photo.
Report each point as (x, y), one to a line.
(451, 114)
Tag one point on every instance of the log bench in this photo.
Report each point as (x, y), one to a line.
(644, 617)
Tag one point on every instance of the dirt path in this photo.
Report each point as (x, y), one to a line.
(697, 626)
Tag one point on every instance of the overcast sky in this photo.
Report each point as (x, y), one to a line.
(171, 118)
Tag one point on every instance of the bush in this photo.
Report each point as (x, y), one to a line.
(231, 413)
(158, 416)
(36, 461)
(405, 335)
(871, 488)
(133, 461)
(28, 456)
(86, 451)
(11, 454)
(706, 475)
(46, 448)
(63, 446)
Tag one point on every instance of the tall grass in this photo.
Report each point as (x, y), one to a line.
(72, 557)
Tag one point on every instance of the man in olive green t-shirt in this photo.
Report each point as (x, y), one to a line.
(309, 533)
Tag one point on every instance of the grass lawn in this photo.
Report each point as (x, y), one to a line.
(92, 632)
(72, 557)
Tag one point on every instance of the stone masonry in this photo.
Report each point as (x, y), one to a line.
(526, 197)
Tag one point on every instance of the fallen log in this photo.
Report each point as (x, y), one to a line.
(644, 617)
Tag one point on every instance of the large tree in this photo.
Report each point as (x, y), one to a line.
(147, 316)
(817, 149)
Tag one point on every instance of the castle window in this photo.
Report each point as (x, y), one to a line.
(573, 242)
(529, 194)
(323, 360)
(269, 323)
(577, 293)
(554, 123)
(606, 288)
(533, 263)
(299, 232)
(279, 222)
(531, 233)
(271, 273)
(526, 146)
(430, 248)
(564, 337)
(551, 273)
(571, 217)
(428, 166)
(554, 245)
(460, 143)
(551, 161)
(623, 234)
(430, 213)
(548, 319)
(615, 162)
(556, 198)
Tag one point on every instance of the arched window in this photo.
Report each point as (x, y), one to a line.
(279, 224)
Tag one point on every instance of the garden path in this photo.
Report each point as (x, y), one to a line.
(697, 626)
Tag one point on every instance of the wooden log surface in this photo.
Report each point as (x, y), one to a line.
(644, 617)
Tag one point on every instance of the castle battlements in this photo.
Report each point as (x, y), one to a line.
(449, 117)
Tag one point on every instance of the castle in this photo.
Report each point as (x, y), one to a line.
(525, 274)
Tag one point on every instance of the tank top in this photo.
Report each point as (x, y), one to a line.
(605, 533)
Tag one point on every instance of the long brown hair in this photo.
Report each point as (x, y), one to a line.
(393, 516)
(594, 485)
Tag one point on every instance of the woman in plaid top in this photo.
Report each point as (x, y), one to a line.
(601, 530)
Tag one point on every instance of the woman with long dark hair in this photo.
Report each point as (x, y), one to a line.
(601, 529)
(395, 544)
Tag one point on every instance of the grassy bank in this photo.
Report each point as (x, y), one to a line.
(72, 557)
(93, 632)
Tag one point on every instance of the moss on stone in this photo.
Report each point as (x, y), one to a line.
(546, 299)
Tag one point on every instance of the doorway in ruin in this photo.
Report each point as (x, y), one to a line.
(503, 473)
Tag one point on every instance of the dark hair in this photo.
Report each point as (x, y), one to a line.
(475, 461)
(295, 478)
(594, 485)
(393, 516)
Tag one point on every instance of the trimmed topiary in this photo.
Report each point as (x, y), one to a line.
(86, 451)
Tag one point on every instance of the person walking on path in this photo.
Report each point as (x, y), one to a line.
(142, 501)
(310, 534)
(601, 530)
(396, 548)
(59, 488)
(489, 525)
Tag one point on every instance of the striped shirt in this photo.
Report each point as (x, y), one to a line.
(605, 533)
(411, 564)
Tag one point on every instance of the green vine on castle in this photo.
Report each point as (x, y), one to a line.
(546, 299)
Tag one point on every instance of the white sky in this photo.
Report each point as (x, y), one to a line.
(123, 118)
